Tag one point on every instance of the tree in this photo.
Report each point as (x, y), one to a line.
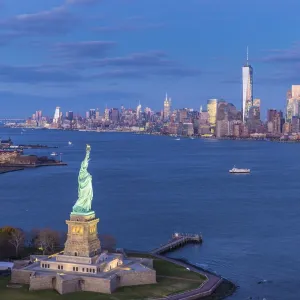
(47, 240)
(17, 238)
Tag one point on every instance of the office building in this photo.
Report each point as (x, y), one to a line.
(167, 108)
(247, 101)
(212, 114)
(56, 117)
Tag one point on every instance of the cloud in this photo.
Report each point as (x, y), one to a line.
(178, 72)
(86, 2)
(154, 64)
(89, 49)
(35, 75)
(291, 55)
(146, 59)
(49, 22)
(129, 27)
(130, 24)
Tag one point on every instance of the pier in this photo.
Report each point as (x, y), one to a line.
(178, 240)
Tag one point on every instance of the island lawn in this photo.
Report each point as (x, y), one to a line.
(171, 279)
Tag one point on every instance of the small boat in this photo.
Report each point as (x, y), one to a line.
(178, 139)
(69, 143)
(192, 138)
(239, 171)
(53, 154)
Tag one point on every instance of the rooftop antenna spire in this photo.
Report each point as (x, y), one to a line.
(247, 56)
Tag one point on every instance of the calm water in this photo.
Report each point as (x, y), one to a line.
(147, 187)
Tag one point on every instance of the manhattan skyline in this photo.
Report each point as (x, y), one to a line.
(80, 54)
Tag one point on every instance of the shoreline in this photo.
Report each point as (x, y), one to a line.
(4, 170)
(20, 167)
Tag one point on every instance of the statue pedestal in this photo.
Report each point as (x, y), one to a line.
(82, 216)
(82, 237)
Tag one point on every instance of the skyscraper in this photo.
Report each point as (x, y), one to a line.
(247, 72)
(212, 113)
(167, 108)
(293, 103)
(92, 113)
(138, 111)
(56, 115)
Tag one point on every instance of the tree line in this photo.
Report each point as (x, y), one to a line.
(15, 243)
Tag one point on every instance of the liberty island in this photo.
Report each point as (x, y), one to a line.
(83, 266)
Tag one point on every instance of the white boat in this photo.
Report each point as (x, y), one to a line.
(69, 143)
(178, 139)
(53, 154)
(236, 170)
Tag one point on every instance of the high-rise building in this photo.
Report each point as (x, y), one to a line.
(212, 113)
(247, 72)
(92, 113)
(138, 111)
(70, 116)
(38, 115)
(167, 108)
(182, 115)
(97, 114)
(56, 117)
(106, 114)
(293, 103)
(114, 115)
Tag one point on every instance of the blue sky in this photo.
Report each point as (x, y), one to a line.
(81, 54)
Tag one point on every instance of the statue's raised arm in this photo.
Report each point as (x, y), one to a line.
(85, 189)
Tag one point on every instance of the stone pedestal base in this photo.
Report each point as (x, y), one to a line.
(82, 237)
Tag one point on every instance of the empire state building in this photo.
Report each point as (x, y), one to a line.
(247, 89)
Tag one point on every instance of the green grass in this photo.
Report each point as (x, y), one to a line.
(165, 286)
(166, 268)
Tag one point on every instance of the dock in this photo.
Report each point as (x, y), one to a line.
(178, 240)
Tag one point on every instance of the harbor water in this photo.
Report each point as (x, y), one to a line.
(148, 187)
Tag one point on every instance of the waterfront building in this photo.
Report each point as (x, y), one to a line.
(167, 108)
(188, 129)
(203, 129)
(274, 121)
(84, 265)
(247, 101)
(287, 128)
(295, 124)
(226, 112)
(56, 118)
(204, 118)
(212, 113)
(222, 128)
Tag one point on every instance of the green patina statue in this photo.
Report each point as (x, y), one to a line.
(85, 189)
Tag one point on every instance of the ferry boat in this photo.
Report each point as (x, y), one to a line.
(236, 170)
(53, 154)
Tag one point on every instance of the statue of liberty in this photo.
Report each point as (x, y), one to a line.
(85, 189)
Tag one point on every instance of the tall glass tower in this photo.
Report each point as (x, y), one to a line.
(247, 89)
